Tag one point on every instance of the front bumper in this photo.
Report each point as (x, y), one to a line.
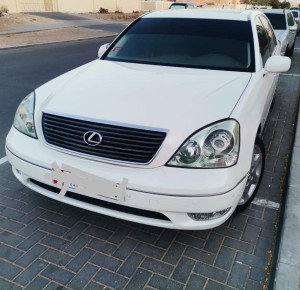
(171, 192)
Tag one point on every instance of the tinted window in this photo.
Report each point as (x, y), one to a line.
(263, 40)
(277, 20)
(270, 34)
(178, 6)
(295, 13)
(198, 43)
(290, 19)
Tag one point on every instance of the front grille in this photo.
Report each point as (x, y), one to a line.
(118, 143)
(104, 204)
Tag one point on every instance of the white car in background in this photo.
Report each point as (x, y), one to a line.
(164, 128)
(285, 28)
(297, 19)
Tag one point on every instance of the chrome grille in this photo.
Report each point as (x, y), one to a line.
(118, 143)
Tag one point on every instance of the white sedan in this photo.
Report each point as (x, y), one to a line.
(164, 128)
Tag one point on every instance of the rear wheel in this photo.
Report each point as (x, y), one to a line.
(254, 176)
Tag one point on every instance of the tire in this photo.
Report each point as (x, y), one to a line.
(287, 51)
(255, 175)
(291, 51)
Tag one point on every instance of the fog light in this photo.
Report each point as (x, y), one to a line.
(209, 215)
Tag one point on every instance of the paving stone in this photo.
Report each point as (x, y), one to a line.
(225, 258)
(54, 286)
(54, 229)
(149, 250)
(57, 274)
(106, 262)
(263, 246)
(196, 282)
(10, 238)
(190, 240)
(229, 232)
(31, 240)
(8, 270)
(251, 260)
(8, 285)
(211, 272)
(31, 272)
(31, 216)
(111, 279)
(53, 217)
(32, 227)
(12, 203)
(98, 232)
(183, 270)
(166, 238)
(174, 253)
(200, 255)
(9, 253)
(252, 213)
(238, 245)
(37, 283)
(83, 277)
(143, 236)
(213, 285)
(125, 249)
(160, 282)
(102, 247)
(75, 231)
(213, 243)
(250, 234)
(139, 280)
(12, 214)
(157, 267)
(77, 245)
(94, 286)
(258, 275)
(253, 285)
(131, 264)
(31, 255)
(56, 257)
(83, 256)
(10, 225)
(119, 235)
(55, 242)
(238, 275)
(72, 220)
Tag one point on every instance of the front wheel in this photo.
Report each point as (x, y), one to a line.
(254, 176)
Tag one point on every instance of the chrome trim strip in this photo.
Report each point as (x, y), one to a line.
(108, 160)
(50, 169)
(191, 195)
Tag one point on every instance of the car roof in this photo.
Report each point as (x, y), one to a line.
(222, 14)
(274, 11)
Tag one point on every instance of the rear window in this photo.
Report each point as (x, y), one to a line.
(277, 20)
(295, 13)
(195, 43)
(178, 6)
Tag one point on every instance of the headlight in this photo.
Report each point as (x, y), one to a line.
(213, 146)
(24, 116)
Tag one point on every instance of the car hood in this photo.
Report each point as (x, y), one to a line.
(281, 34)
(178, 100)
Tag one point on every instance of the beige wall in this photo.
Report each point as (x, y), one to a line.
(125, 6)
(155, 5)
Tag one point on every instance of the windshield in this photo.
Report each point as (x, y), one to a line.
(178, 6)
(277, 20)
(186, 42)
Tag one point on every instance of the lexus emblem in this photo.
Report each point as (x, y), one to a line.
(92, 138)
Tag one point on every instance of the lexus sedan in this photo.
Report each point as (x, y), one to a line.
(164, 128)
(285, 28)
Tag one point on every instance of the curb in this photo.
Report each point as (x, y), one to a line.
(286, 272)
(55, 42)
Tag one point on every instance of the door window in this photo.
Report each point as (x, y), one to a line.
(263, 40)
(270, 34)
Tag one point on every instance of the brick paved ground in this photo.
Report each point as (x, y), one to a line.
(49, 245)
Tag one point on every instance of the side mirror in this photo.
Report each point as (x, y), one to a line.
(102, 49)
(277, 64)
